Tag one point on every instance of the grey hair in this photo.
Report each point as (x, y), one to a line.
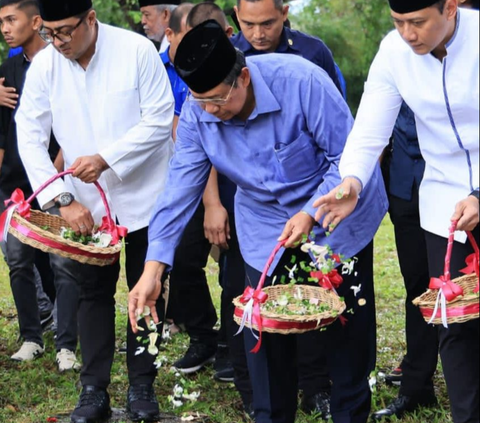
(169, 7)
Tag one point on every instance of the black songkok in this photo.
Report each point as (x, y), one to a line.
(144, 3)
(409, 6)
(205, 57)
(58, 10)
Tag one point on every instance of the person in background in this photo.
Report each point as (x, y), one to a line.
(220, 230)
(116, 128)
(404, 167)
(20, 23)
(434, 47)
(155, 19)
(190, 303)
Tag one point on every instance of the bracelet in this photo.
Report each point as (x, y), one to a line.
(475, 194)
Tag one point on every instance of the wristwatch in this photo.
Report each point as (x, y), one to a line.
(475, 194)
(64, 199)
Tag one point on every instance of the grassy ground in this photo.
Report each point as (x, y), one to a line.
(31, 393)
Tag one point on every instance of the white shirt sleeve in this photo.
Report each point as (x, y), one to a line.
(155, 127)
(376, 117)
(34, 127)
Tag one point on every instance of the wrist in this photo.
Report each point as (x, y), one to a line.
(103, 164)
(475, 194)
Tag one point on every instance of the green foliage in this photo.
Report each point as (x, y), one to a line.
(352, 29)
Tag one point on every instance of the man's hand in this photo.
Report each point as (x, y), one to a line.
(78, 217)
(296, 228)
(217, 226)
(338, 204)
(146, 293)
(467, 214)
(8, 95)
(89, 168)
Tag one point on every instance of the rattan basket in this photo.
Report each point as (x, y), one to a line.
(43, 231)
(285, 324)
(463, 305)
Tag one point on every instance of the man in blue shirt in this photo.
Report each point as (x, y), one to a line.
(276, 126)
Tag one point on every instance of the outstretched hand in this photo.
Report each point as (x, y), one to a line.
(338, 204)
(146, 293)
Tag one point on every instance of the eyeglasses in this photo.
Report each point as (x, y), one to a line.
(218, 101)
(64, 37)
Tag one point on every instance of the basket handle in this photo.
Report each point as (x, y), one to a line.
(69, 172)
(270, 261)
(451, 240)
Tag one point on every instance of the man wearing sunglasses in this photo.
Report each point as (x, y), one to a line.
(105, 94)
(276, 126)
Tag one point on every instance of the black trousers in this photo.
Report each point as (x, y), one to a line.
(421, 359)
(21, 261)
(96, 316)
(459, 344)
(190, 301)
(312, 367)
(351, 354)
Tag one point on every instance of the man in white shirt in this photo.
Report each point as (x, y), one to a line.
(105, 94)
(156, 18)
(431, 62)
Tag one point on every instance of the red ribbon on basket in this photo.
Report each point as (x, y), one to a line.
(330, 281)
(450, 289)
(18, 200)
(117, 232)
(17, 203)
(254, 298)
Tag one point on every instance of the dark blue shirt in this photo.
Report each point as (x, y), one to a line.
(295, 42)
(407, 165)
(179, 88)
(14, 51)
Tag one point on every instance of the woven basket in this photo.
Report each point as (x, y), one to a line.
(464, 307)
(284, 324)
(31, 230)
(288, 324)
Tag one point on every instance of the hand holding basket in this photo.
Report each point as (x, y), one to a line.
(453, 301)
(43, 231)
(250, 313)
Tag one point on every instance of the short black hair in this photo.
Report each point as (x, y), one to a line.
(278, 3)
(205, 11)
(440, 5)
(22, 5)
(237, 68)
(176, 18)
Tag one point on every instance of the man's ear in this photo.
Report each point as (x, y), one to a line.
(37, 22)
(451, 9)
(92, 18)
(245, 77)
(229, 31)
(169, 34)
(286, 8)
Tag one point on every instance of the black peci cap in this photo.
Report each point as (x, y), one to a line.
(57, 10)
(205, 57)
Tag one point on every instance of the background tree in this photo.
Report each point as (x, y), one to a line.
(353, 30)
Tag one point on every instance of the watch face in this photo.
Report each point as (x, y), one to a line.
(65, 199)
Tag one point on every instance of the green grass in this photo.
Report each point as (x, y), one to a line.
(30, 393)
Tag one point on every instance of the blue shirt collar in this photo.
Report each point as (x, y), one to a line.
(165, 57)
(286, 42)
(264, 98)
